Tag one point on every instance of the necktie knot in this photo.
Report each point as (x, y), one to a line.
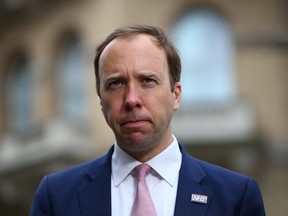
(142, 171)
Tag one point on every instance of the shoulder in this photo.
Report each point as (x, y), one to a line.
(60, 185)
(223, 179)
(205, 171)
(215, 171)
(80, 171)
(213, 176)
(225, 182)
(78, 175)
(61, 188)
(79, 168)
(90, 168)
(231, 187)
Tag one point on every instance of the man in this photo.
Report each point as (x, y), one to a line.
(137, 75)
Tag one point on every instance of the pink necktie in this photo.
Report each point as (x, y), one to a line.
(143, 204)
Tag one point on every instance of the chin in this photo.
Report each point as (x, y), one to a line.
(137, 143)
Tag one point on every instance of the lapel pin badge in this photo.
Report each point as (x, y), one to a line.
(198, 198)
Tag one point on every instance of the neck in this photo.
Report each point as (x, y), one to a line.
(146, 155)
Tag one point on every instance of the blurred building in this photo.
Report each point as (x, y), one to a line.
(234, 108)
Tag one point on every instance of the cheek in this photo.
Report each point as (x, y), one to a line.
(110, 109)
(163, 104)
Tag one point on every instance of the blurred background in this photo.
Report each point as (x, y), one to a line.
(234, 110)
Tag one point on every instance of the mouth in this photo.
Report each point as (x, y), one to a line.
(134, 124)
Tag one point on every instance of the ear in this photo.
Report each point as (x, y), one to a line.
(177, 95)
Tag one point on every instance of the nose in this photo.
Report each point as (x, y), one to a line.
(132, 98)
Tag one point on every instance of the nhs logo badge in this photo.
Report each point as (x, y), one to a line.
(198, 198)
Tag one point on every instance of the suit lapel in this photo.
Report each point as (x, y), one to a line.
(190, 177)
(95, 197)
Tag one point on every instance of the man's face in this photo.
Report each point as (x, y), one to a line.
(136, 96)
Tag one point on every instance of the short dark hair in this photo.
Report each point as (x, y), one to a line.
(161, 40)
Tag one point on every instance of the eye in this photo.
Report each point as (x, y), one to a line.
(149, 81)
(115, 84)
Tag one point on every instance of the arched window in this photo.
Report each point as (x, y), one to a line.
(19, 95)
(71, 80)
(205, 44)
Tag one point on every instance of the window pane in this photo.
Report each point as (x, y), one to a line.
(20, 96)
(71, 78)
(206, 49)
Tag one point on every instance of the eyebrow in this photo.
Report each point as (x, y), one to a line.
(146, 73)
(150, 74)
(112, 76)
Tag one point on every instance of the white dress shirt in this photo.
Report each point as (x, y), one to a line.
(162, 181)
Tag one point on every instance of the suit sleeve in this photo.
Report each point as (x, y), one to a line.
(41, 202)
(252, 202)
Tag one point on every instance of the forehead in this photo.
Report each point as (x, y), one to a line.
(133, 44)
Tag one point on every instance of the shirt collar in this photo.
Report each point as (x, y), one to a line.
(123, 163)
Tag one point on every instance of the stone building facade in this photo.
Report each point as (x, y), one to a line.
(235, 105)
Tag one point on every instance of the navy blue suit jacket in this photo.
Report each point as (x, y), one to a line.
(85, 190)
